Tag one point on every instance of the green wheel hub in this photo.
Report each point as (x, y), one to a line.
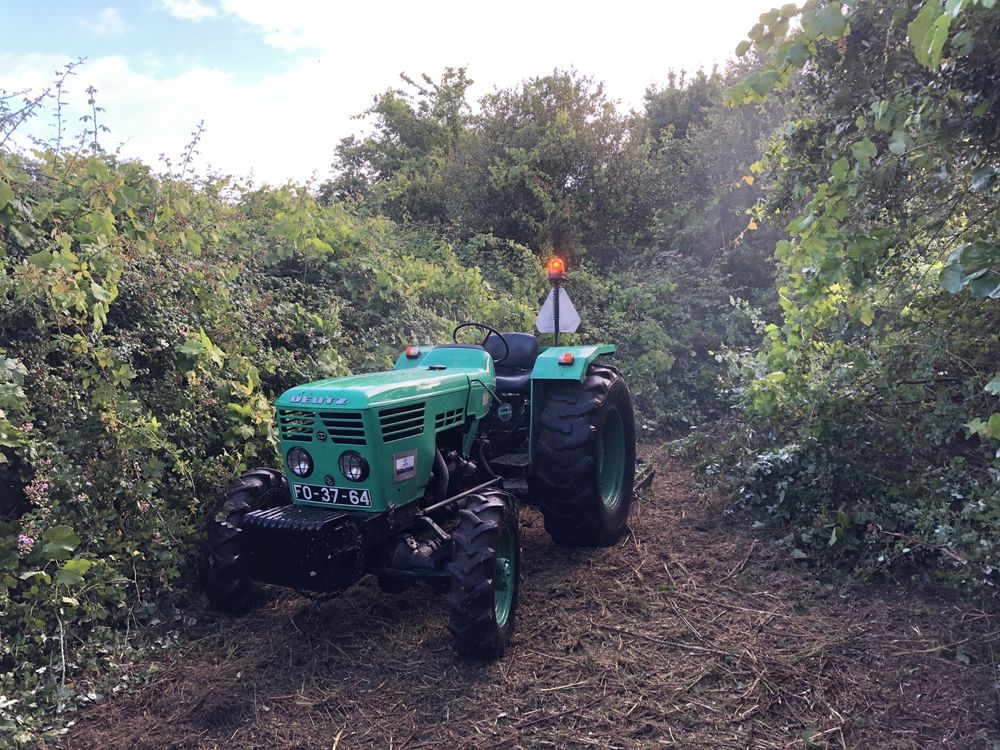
(504, 577)
(611, 459)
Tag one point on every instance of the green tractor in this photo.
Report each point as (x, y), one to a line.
(415, 475)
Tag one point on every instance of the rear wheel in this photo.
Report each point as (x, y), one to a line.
(228, 579)
(485, 576)
(584, 463)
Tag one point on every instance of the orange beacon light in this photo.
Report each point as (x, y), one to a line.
(557, 270)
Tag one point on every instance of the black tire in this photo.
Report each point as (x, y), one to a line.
(228, 579)
(483, 525)
(566, 478)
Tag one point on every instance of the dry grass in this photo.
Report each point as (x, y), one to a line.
(689, 634)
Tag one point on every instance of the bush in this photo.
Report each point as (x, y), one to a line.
(146, 326)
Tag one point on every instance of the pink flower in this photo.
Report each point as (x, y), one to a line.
(27, 427)
(24, 544)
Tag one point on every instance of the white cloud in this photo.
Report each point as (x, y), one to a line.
(189, 10)
(109, 22)
(628, 44)
(276, 128)
(288, 123)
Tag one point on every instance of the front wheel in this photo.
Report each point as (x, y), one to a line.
(485, 575)
(227, 574)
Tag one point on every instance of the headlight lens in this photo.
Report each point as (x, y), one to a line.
(353, 466)
(299, 461)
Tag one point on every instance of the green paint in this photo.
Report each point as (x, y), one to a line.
(505, 575)
(547, 365)
(379, 416)
(611, 459)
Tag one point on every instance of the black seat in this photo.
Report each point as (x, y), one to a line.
(514, 372)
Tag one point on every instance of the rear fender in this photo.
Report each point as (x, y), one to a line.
(548, 368)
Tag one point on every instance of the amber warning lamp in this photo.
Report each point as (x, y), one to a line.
(557, 271)
(412, 352)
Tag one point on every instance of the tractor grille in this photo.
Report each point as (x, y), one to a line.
(448, 419)
(295, 425)
(344, 428)
(401, 422)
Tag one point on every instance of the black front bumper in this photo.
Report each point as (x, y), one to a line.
(315, 549)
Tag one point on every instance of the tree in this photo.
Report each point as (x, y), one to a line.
(876, 386)
(396, 170)
(552, 165)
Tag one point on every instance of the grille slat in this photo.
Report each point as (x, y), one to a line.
(296, 425)
(344, 428)
(448, 419)
(402, 422)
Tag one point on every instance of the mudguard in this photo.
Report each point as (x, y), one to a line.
(548, 366)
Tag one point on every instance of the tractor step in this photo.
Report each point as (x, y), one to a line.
(511, 465)
(517, 487)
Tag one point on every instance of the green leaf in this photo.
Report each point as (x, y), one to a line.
(993, 387)
(840, 168)
(864, 151)
(60, 541)
(993, 425)
(954, 7)
(830, 21)
(742, 48)
(979, 255)
(899, 142)
(100, 293)
(72, 571)
(928, 33)
(192, 240)
(42, 259)
(987, 285)
(962, 42)
(6, 194)
(952, 278)
(763, 83)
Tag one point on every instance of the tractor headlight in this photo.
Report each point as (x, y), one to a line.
(299, 461)
(353, 466)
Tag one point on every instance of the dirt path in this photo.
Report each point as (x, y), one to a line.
(689, 634)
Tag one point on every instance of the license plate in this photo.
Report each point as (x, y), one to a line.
(313, 493)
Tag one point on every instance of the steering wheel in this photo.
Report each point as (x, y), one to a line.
(490, 331)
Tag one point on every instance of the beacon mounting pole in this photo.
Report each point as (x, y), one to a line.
(557, 275)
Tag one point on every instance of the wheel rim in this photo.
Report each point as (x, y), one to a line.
(611, 459)
(505, 576)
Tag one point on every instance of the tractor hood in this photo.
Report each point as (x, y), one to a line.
(375, 389)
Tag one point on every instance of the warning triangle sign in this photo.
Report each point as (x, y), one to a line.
(569, 318)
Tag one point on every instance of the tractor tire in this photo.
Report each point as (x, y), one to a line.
(228, 581)
(584, 463)
(485, 576)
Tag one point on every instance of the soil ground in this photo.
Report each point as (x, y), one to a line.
(690, 633)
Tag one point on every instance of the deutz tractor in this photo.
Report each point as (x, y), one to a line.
(415, 475)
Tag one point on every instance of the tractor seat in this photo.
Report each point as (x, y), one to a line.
(514, 373)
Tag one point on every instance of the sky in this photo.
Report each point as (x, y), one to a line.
(278, 83)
